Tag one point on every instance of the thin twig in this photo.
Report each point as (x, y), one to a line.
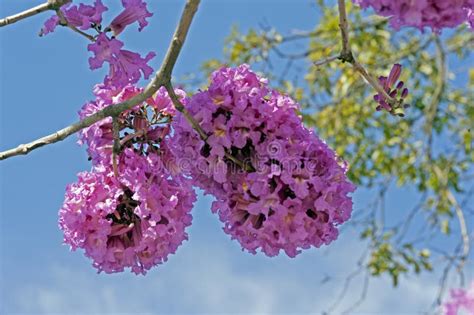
(49, 5)
(344, 27)
(363, 295)
(161, 78)
(360, 268)
(116, 146)
(372, 81)
(432, 109)
(463, 228)
(326, 60)
(347, 55)
(444, 278)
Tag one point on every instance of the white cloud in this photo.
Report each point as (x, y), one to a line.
(213, 278)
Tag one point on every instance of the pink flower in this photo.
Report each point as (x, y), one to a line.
(137, 130)
(49, 25)
(470, 16)
(83, 16)
(161, 101)
(135, 11)
(393, 87)
(104, 49)
(460, 299)
(435, 14)
(125, 66)
(293, 193)
(128, 67)
(134, 221)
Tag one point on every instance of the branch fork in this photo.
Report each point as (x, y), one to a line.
(346, 55)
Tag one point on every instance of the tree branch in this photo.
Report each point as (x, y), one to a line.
(463, 228)
(346, 55)
(116, 146)
(180, 107)
(161, 78)
(49, 5)
(344, 27)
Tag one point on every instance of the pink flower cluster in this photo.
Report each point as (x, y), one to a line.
(135, 220)
(277, 185)
(289, 191)
(460, 300)
(435, 14)
(133, 215)
(125, 67)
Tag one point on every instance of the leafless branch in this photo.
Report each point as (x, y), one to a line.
(180, 107)
(432, 109)
(326, 60)
(463, 228)
(344, 27)
(363, 295)
(49, 5)
(347, 55)
(162, 77)
(116, 146)
(349, 278)
(445, 275)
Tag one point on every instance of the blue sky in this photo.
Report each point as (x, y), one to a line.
(44, 82)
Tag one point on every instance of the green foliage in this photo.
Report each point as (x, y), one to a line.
(385, 259)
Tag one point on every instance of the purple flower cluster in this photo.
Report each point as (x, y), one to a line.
(125, 67)
(435, 14)
(460, 300)
(135, 220)
(289, 191)
(277, 185)
(394, 89)
(134, 214)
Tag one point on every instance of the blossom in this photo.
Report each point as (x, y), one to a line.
(104, 49)
(394, 89)
(470, 16)
(125, 66)
(49, 25)
(162, 102)
(143, 129)
(291, 193)
(435, 14)
(132, 209)
(135, 220)
(460, 299)
(135, 11)
(83, 16)
(128, 67)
